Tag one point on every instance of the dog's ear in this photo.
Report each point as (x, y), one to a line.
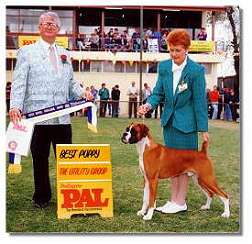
(145, 130)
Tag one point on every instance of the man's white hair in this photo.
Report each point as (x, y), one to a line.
(51, 14)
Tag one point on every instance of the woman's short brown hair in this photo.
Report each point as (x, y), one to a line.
(179, 37)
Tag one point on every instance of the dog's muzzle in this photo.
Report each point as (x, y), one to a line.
(124, 138)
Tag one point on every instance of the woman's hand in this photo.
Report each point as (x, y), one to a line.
(205, 136)
(143, 109)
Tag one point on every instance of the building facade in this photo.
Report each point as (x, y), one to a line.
(111, 50)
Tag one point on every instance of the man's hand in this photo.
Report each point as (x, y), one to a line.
(15, 115)
(89, 96)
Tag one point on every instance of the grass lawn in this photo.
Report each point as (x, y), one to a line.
(224, 150)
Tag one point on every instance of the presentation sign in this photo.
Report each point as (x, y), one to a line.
(84, 180)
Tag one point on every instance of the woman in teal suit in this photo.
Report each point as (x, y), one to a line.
(181, 86)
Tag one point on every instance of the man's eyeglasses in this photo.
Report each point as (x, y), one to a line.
(48, 24)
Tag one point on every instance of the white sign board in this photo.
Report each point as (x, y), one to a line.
(18, 137)
(153, 45)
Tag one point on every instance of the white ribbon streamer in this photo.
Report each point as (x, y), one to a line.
(51, 115)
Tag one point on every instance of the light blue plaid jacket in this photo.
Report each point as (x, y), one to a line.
(36, 85)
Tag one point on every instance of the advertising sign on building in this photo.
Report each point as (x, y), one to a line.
(202, 46)
(26, 40)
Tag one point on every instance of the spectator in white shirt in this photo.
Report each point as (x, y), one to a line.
(133, 93)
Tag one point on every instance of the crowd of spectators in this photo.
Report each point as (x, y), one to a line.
(108, 101)
(223, 104)
(114, 40)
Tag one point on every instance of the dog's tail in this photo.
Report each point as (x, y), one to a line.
(204, 147)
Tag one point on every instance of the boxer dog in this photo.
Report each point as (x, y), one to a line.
(159, 162)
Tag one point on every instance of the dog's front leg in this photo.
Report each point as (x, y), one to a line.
(152, 199)
(150, 212)
(145, 198)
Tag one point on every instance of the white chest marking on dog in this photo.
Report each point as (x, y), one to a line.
(140, 146)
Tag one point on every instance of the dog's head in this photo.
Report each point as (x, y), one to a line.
(134, 133)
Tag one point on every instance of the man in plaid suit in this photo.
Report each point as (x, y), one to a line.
(43, 77)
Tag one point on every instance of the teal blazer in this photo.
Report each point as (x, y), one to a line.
(186, 109)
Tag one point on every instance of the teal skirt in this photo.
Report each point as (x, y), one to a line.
(177, 139)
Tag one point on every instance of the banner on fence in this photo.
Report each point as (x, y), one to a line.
(202, 46)
(27, 40)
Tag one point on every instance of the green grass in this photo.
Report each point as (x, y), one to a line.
(224, 149)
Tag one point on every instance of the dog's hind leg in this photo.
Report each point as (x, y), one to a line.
(152, 198)
(208, 194)
(226, 212)
(211, 186)
(207, 205)
(224, 198)
(146, 191)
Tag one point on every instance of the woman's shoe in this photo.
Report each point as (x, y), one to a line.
(164, 207)
(174, 208)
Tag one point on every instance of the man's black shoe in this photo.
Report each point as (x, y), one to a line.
(41, 205)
